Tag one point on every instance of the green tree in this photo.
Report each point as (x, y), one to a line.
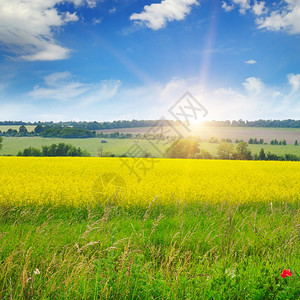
(296, 143)
(30, 151)
(23, 131)
(38, 129)
(262, 154)
(204, 155)
(242, 151)
(1, 142)
(185, 148)
(225, 151)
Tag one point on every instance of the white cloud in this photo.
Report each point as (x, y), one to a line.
(294, 81)
(259, 8)
(47, 51)
(253, 85)
(70, 17)
(91, 3)
(112, 10)
(109, 100)
(243, 5)
(27, 28)
(61, 86)
(250, 62)
(286, 18)
(99, 92)
(227, 7)
(156, 15)
(97, 21)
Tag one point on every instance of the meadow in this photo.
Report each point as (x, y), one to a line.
(16, 127)
(206, 132)
(91, 228)
(12, 145)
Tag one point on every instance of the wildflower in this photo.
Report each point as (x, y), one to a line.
(286, 273)
(37, 271)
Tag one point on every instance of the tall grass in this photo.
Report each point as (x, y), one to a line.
(192, 251)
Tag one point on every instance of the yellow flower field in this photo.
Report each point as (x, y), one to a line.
(81, 181)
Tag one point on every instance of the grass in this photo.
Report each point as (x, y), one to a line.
(16, 127)
(245, 133)
(12, 145)
(198, 251)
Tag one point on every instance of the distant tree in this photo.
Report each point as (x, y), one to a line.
(225, 151)
(38, 129)
(243, 152)
(185, 148)
(238, 141)
(213, 140)
(23, 131)
(11, 132)
(204, 154)
(1, 142)
(261, 141)
(31, 151)
(60, 149)
(274, 142)
(291, 157)
(296, 143)
(271, 156)
(226, 140)
(262, 155)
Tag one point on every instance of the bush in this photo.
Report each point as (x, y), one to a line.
(60, 149)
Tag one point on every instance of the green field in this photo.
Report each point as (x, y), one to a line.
(245, 133)
(16, 127)
(191, 252)
(12, 145)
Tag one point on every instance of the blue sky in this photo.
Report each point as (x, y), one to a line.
(128, 59)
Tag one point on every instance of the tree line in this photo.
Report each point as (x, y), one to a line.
(189, 148)
(50, 132)
(60, 149)
(289, 123)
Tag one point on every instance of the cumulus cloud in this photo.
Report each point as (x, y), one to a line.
(250, 62)
(243, 5)
(285, 15)
(259, 8)
(286, 18)
(156, 15)
(294, 81)
(27, 28)
(253, 85)
(227, 7)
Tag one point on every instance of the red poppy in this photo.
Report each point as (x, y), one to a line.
(286, 273)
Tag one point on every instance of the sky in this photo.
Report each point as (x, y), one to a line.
(108, 60)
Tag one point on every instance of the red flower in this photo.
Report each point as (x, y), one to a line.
(286, 273)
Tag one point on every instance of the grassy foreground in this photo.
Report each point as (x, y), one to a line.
(12, 145)
(193, 251)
